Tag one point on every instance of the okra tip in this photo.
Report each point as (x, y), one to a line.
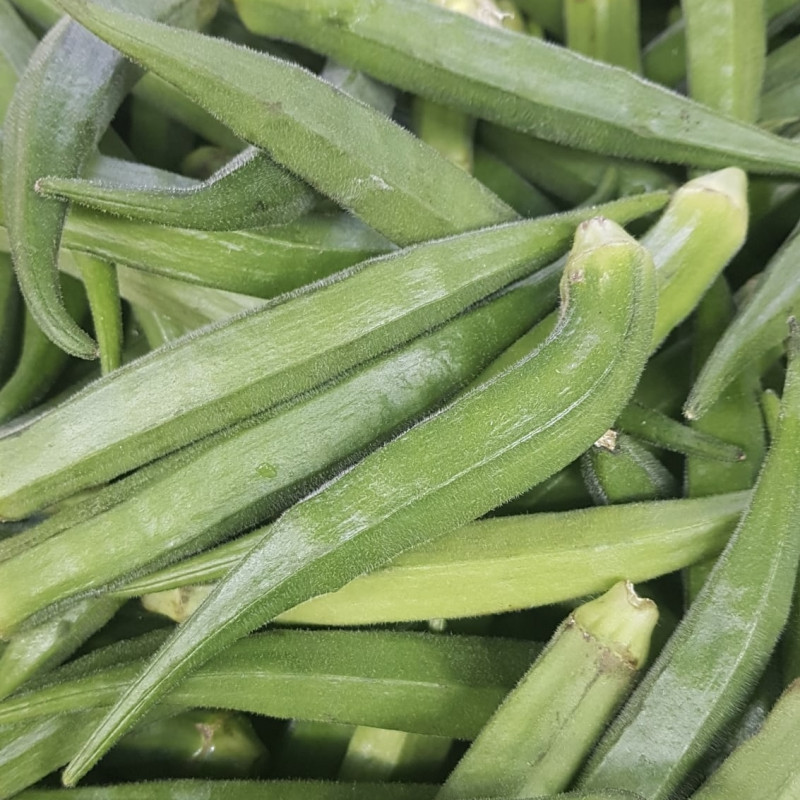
(599, 232)
(731, 182)
(620, 620)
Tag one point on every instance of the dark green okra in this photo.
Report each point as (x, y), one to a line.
(251, 191)
(572, 690)
(485, 567)
(419, 486)
(202, 384)
(724, 641)
(56, 94)
(398, 41)
(261, 468)
(350, 152)
(40, 361)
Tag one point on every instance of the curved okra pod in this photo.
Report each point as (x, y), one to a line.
(572, 690)
(758, 327)
(40, 361)
(251, 191)
(617, 469)
(765, 766)
(54, 94)
(395, 499)
(725, 639)
(726, 43)
(391, 300)
(102, 291)
(583, 103)
(263, 466)
(396, 184)
(574, 553)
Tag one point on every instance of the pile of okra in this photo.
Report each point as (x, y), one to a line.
(399, 399)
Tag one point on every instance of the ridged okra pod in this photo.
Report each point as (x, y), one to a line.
(265, 465)
(725, 639)
(391, 180)
(574, 553)
(509, 437)
(55, 94)
(571, 692)
(201, 384)
(765, 766)
(486, 72)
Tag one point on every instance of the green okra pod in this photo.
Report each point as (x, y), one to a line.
(55, 94)
(395, 499)
(398, 41)
(485, 567)
(161, 402)
(617, 469)
(10, 318)
(759, 326)
(726, 43)
(251, 191)
(444, 686)
(45, 646)
(571, 691)
(16, 45)
(396, 184)
(604, 31)
(265, 465)
(765, 766)
(40, 361)
(725, 639)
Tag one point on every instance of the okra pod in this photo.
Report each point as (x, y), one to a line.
(251, 191)
(765, 766)
(580, 104)
(444, 686)
(172, 516)
(369, 165)
(605, 31)
(574, 553)
(393, 499)
(55, 94)
(571, 691)
(16, 45)
(10, 318)
(724, 640)
(759, 326)
(161, 402)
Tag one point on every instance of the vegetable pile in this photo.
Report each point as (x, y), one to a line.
(357, 357)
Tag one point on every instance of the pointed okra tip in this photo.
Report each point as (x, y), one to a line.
(599, 232)
(620, 620)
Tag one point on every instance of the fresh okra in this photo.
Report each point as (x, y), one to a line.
(251, 191)
(394, 499)
(16, 45)
(10, 318)
(605, 31)
(55, 94)
(765, 766)
(725, 639)
(166, 399)
(261, 468)
(444, 686)
(360, 159)
(485, 567)
(397, 41)
(571, 691)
